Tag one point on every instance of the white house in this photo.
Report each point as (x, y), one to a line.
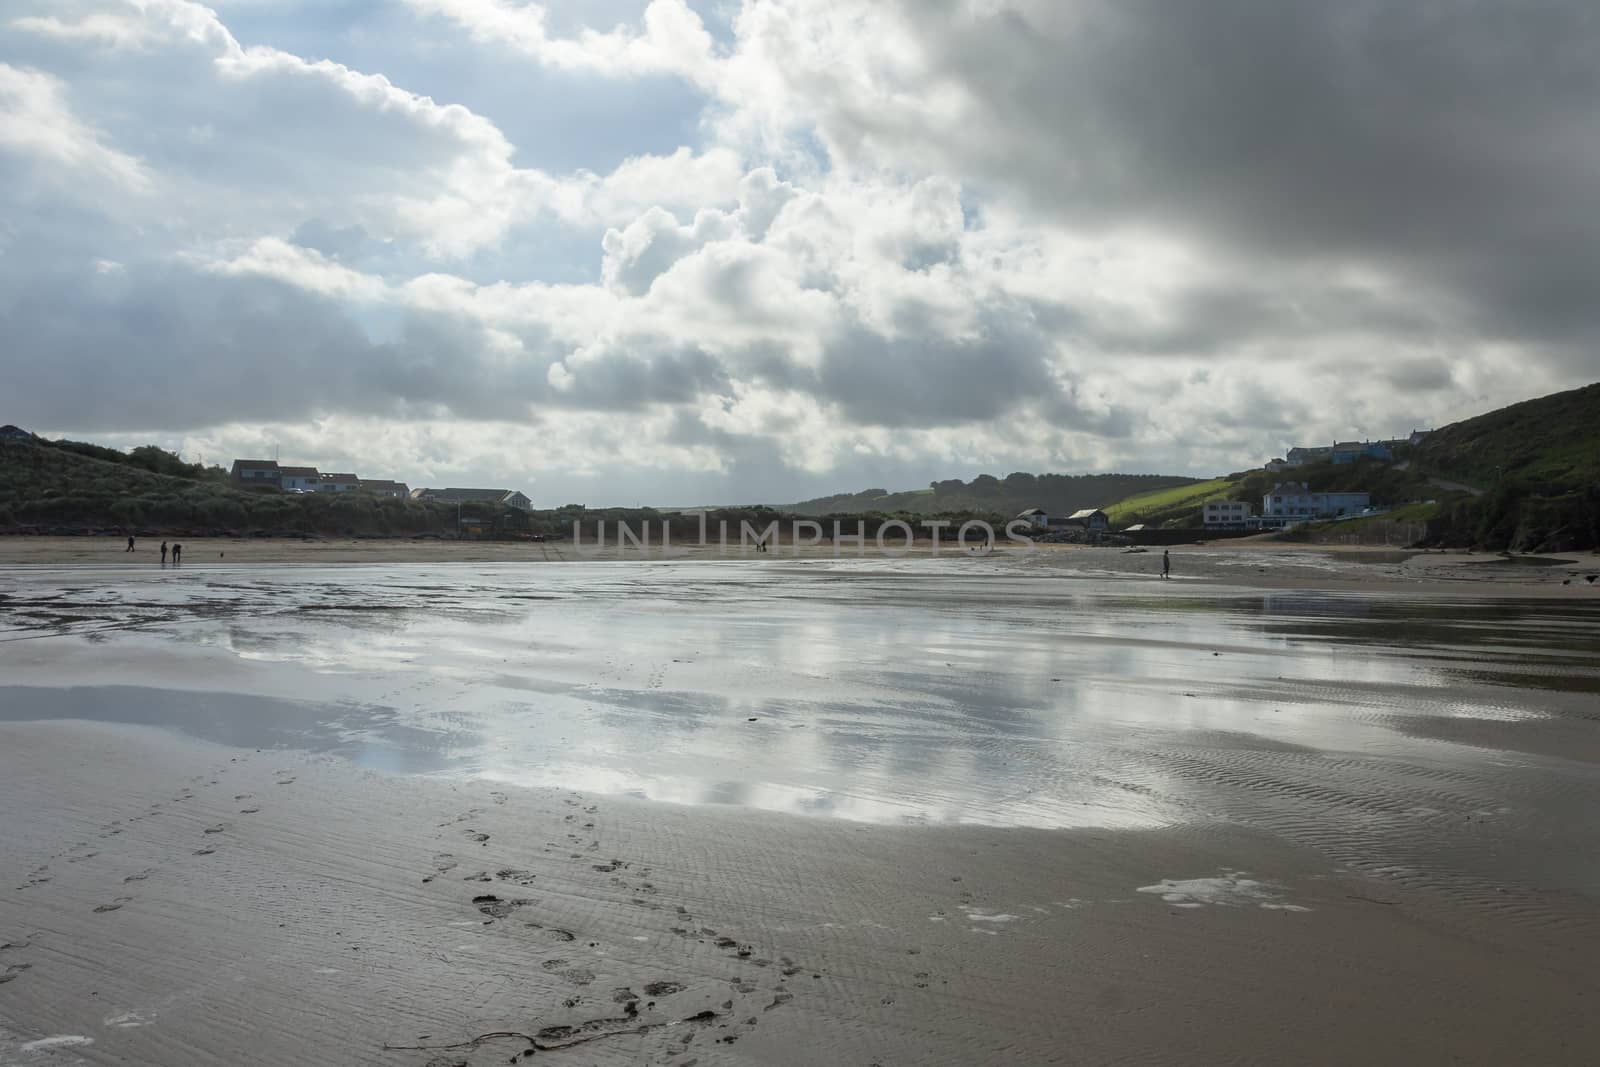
(339, 483)
(1036, 517)
(303, 479)
(1226, 514)
(1092, 519)
(1291, 502)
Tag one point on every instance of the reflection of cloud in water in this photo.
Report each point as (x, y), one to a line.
(914, 691)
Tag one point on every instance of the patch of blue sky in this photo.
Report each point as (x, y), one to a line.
(558, 121)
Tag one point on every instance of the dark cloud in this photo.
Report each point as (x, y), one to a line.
(927, 380)
(1455, 143)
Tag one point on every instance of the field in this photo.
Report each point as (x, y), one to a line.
(1163, 506)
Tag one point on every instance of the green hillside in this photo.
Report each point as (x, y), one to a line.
(1176, 506)
(1552, 442)
(1058, 494)
(66, 486)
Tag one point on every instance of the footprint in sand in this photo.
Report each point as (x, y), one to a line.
(141, 876)
(477, 835)
(11, 970)
(498, 798)
(208, 850)
(496, 907)
(286, 780)
(221, 827)
(444, 861)
(248, 811)
(114, 905)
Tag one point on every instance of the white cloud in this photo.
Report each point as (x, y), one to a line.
(672, 39)
(898, 231)
(35, 120)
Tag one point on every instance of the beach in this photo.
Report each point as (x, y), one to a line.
(381, 803)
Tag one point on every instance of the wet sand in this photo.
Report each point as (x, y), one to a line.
(859, 811)
(1259, 562)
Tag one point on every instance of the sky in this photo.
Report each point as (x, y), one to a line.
(723, 251)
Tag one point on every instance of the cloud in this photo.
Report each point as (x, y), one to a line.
(671, 40)
(898, 241)
(35, 121)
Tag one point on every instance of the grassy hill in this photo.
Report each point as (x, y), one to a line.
(1176, 506)
(1058, 494)
(67, 486)
(1553, 442)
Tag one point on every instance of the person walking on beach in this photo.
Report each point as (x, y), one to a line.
(1166, 563)
(163, 553)
(177, 552)
(130, 543)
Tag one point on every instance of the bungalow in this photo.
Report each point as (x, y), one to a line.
(1035, 517)
(300, 479)
(382, 487)
(247, 472)
(339, 483)
(509, 498)
(1092, 519)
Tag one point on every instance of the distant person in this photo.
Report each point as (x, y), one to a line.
(130, 543)
(1166, 563)
(177, 554)
(163, 553)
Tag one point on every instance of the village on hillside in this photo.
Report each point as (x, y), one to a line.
(1286, 504)
(249, 473)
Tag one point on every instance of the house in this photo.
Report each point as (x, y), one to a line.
(1092, 519)
(1299, 457)
(1292, 502)
(1226, 514)
(1036, 517)
(1350, 451)
(381, 487)
(339, 483)
(14, 433)
(1279, 464)
(509, 498)
(1418, 436)
(1135, 528)
(248, 472)
(299, 479)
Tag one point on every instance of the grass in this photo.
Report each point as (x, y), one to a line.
(1162, 505)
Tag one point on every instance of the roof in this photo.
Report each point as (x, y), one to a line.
(382, 483)
(265, 464)
(1136, 526)
(340, 478)
(298, 472)
(1085, 513)
(1032, 511)
(490, 496)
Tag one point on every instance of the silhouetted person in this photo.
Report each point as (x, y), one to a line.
(1166, 563)
(163, 553)
(130, 543)
(177, 554)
